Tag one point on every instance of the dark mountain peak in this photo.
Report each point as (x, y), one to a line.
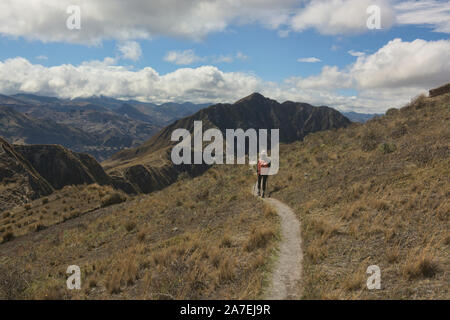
(254, 97)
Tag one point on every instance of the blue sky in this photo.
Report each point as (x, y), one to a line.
(225, 58)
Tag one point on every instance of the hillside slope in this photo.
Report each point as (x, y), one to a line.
(19, 181)
(201, 238)
(374, 194)
(28, 172)
(148, 166)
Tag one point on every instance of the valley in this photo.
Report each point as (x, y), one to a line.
(141, 227)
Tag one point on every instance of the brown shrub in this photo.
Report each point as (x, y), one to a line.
(259, 239)
(112, 199)
(422, 265)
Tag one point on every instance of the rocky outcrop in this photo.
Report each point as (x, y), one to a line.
(62, 167)
(440, 91)
(19, 181)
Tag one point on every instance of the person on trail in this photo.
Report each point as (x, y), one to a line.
(262, 170)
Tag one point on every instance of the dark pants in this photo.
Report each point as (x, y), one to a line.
(264, 183)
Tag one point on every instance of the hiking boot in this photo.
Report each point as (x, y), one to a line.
(263, 195)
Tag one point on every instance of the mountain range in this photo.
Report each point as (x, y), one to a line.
(147, 167)
(99, 126)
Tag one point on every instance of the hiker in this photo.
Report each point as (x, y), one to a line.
(263, 162)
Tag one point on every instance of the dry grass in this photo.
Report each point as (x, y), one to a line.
(420, 264)
(158, 246)
(374, 194)
(114, 198)
(63, 205)
(259, 239)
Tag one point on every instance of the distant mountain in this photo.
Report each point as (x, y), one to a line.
(100, 126)
(148, 166)
(131, 112)
(360, 117)
(181, 110)
(21, 128)
(160, 115)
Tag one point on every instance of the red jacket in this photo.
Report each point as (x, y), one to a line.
(262, 164)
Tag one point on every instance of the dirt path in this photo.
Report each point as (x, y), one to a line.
(287, 272)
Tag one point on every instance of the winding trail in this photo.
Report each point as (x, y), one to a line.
(287, 272)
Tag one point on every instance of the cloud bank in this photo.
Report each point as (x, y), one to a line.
(45, 20)
(387, 78)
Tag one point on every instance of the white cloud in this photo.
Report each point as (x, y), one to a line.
(309, 60)
(418, 63)
(45, 20)
(130, 50)
(185, 57)
(435, 14)
(188, 57)
(340, 16)
(387, 78)
(136, 19)
(42, 57)
(203, 84)
(356, 53)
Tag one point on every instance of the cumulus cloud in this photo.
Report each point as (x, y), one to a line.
(390, 77)
(309, 60)
(418, 63)
(203, 84)
(435, 14)
(42, 57)
(334, 17)
(136, 19)
(45, 20)
(130, 50)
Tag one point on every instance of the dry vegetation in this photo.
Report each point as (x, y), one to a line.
(205, 237)
(374, 194)
(68, 203)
